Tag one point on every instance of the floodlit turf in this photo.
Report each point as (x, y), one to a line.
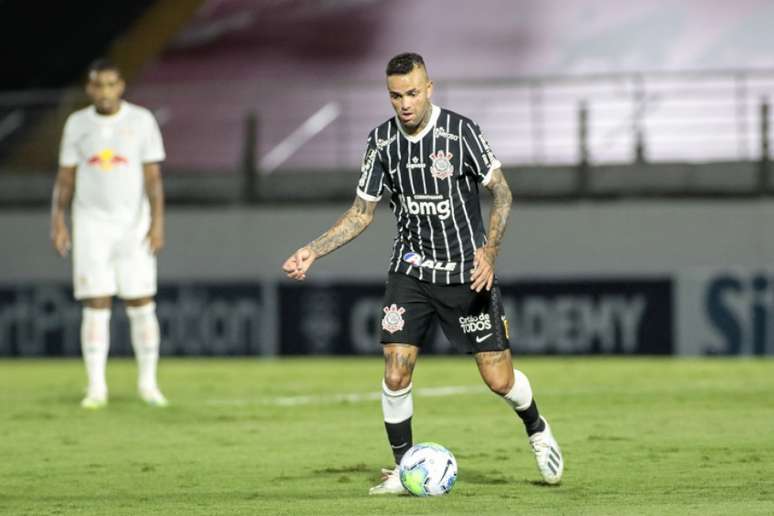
(247, 436)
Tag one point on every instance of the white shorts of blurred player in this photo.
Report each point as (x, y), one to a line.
(112, 260)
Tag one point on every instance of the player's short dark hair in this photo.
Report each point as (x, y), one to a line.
(103, 65)
(404, 63)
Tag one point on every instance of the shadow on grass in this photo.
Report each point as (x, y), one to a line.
(471, 476)
(355, 468)
(340, 472)
(608, 438)
(495, 478)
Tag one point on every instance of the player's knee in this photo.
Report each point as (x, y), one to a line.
(396, 380)
(500, 385)
(138, 302)
(98, 303)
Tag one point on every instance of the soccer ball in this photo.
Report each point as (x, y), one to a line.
(428, 469)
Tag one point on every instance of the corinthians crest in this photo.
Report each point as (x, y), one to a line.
(393, 318)
(442, 167)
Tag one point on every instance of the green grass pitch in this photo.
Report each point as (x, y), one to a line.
(250, 436)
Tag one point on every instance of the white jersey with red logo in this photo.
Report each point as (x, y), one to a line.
(109, 152)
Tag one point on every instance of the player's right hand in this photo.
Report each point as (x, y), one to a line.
(60, 238)
(298, 263)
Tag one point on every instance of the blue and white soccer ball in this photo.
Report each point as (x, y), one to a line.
(428, 469)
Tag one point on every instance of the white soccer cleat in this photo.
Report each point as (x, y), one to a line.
(153, 397)
(94, 401)
(390, 483)
(547, 454)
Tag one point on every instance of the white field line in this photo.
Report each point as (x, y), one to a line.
(294, 401)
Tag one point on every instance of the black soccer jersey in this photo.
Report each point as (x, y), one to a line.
(433, 177)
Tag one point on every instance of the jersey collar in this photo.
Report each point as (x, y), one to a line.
(115, 117)
(436, 111)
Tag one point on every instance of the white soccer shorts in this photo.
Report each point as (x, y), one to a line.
(110, 260)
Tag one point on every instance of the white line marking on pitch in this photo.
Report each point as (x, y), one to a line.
(293, 401)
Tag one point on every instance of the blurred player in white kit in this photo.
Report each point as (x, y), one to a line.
(110, 178)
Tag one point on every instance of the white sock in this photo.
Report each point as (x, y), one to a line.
(520, 395)
(145, 341)
(95, 341)
(397, 406)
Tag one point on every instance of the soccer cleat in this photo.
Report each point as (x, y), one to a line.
(390, 483)
(94, 401)
(153, 397)
(547, 454)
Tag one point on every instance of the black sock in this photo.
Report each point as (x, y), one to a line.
(531, 418)
(399, 435)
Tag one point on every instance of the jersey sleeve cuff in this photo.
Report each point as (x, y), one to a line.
(488, 177)
(365, 196)
(154, 159)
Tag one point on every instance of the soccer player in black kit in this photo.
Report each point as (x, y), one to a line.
(432, 161)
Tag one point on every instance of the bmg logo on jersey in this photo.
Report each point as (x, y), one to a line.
(474, 323)
(435, 205)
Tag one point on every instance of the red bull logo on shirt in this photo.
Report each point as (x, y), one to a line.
(106, 159)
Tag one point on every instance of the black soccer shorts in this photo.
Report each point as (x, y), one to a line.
(473, 321)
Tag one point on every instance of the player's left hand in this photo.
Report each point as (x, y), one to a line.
(483, 269)
(155, 238)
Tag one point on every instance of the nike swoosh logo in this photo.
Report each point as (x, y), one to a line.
(482, 339)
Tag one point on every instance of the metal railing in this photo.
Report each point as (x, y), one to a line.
(558, 120)
(616, 118)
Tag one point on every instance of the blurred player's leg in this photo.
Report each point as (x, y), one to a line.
(519, 398)
(547, 454)
(136, 275)
(398, 408)
(514, 387)
(94, 284)
(95, 341)
(483, 326)
(145, 341)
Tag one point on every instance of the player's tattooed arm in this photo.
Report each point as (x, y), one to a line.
(350, 225)
(501, 209)
(154, 189)
(483, 272)
(64, 187)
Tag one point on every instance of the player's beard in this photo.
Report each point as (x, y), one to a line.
(422, 123)
(107, 107)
